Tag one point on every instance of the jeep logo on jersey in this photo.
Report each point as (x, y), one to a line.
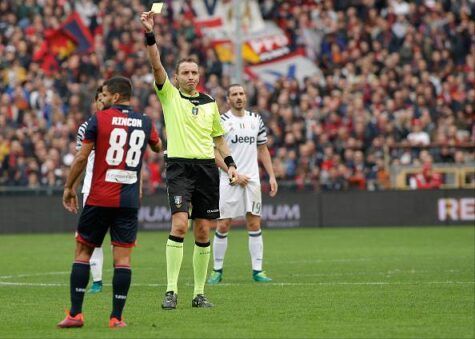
(178, 200)
(194, 111)
(243, 140)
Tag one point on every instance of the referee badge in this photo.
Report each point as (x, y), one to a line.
(194, 111)
(178, 200)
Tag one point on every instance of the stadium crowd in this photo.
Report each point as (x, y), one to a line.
(398, 86)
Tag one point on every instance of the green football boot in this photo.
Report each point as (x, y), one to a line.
(215, 278)
(260, 276)
(96, 287)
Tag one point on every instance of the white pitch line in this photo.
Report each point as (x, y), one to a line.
(283, 284)
(387, 273)
(8, 283)
(26, 275)
(349, 274)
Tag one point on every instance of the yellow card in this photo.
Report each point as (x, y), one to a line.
(157, 7)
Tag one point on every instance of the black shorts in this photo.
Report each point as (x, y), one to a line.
(195, 182)
(96, 220)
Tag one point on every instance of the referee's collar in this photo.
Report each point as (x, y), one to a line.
(123, 108)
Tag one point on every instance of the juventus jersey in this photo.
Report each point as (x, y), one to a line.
(86, 185)
(243, 135)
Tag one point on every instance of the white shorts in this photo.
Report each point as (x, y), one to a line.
(236, 201)
(84, 198)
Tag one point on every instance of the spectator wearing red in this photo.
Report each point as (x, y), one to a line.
(428, 179)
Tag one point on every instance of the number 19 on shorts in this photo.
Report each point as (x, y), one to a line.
(256, 207)
(117, 141)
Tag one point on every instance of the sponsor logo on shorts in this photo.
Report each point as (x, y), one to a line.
(178, 200)
(212, 211)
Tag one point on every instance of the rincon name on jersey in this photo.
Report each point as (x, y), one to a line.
(119, 121)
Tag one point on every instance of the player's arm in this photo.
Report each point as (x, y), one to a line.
(78, 180)
(154, 142)
(79, 139)
(264, 156)
(159, 72)
(70, 201)
(222, 147)
(157, 147)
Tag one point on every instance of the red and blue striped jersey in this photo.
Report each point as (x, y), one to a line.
(120, 136)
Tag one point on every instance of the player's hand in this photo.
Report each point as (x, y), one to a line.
(242, 180)
(273, 186)
(146, 18)
(70, 200)
(233, 175)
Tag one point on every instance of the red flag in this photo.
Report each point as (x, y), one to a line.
(59, 43)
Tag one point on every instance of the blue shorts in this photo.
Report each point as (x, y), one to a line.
(96, 220)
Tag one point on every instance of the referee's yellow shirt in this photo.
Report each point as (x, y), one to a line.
(191, 122)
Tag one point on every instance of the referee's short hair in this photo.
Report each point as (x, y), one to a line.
(119, 84)
(187, 59)
(231, 86)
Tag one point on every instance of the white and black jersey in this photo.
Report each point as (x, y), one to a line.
(243, 135)
(86, 186)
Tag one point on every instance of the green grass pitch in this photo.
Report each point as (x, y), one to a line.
(328, 283)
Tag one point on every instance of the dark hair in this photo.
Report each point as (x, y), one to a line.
(187, 59)
(119, 84)
(98, 91)
(231, 86)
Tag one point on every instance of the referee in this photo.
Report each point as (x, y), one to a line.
(193, 127)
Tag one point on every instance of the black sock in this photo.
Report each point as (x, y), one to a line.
(120, 288)
(78, 283)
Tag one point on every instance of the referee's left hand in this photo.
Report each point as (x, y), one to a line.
(70, 200)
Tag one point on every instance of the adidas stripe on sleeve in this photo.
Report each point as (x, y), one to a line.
(80, 135)
(262, 134)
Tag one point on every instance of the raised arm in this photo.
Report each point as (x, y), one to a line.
(152, 50)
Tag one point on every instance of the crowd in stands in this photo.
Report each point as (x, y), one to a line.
(398, 86)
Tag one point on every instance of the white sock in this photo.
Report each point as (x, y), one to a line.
(220, 244)
(256, 249)
(96, 262)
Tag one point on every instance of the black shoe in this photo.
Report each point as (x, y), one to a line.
(201, 301)
(170, 300)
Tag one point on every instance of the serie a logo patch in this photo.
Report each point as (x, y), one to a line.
(178, 200)
(194, 111)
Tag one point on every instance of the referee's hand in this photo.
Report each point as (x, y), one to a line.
(146, 18)
(233, 175)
